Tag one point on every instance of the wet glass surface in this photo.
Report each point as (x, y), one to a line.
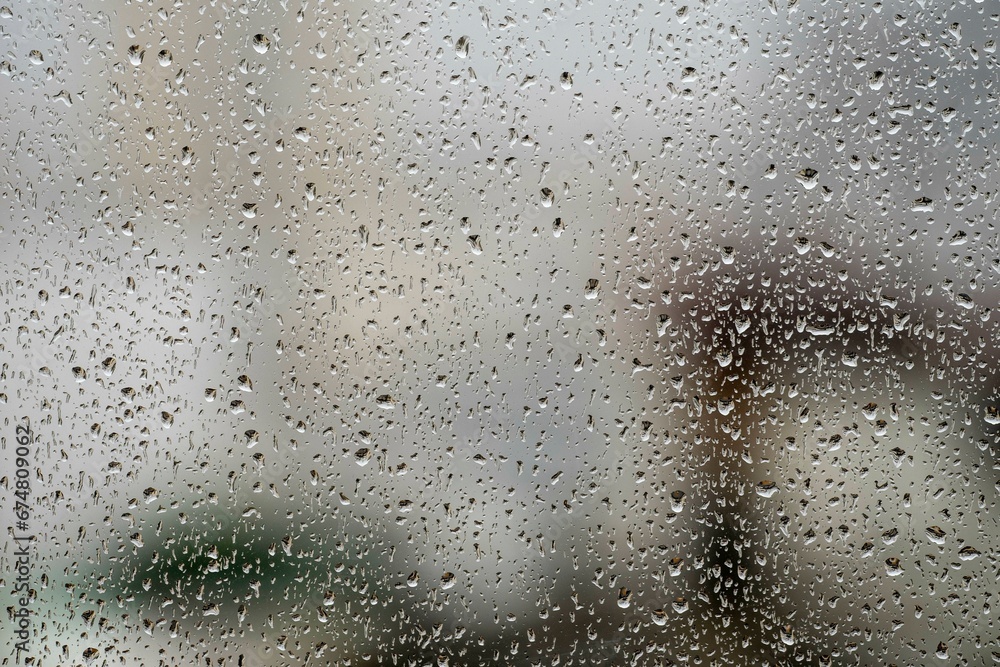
(433, 333)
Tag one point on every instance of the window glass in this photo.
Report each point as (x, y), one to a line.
(535, 333)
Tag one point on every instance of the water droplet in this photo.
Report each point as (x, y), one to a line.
(261, 43)
(893, 567)
(876, 79)
(968, 553)
(363, 456)
(766, 488)
(677, 500)
(992, 415)
(136, 54)
(624, 598)
(808, 177)
(548, 197)
(936, 535)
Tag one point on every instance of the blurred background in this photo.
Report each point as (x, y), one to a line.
(518, 333)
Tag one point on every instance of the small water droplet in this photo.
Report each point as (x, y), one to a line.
(475, 245)
(808, 177)
(624, 597)
(936, 534)
(677, 500)
(968, 553)
(136, 54)
(363, 456)
(261, 43)
(548, 197)
(766, 488)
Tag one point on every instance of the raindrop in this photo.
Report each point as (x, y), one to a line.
(363, 456)
(808, 177)
(548, 197)
(475, 245)
(677, 501)
(624, 598)
(893, 567)
(261, 43)
(135, 54)
(936, 534)
(968, 553)
(766, 488)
